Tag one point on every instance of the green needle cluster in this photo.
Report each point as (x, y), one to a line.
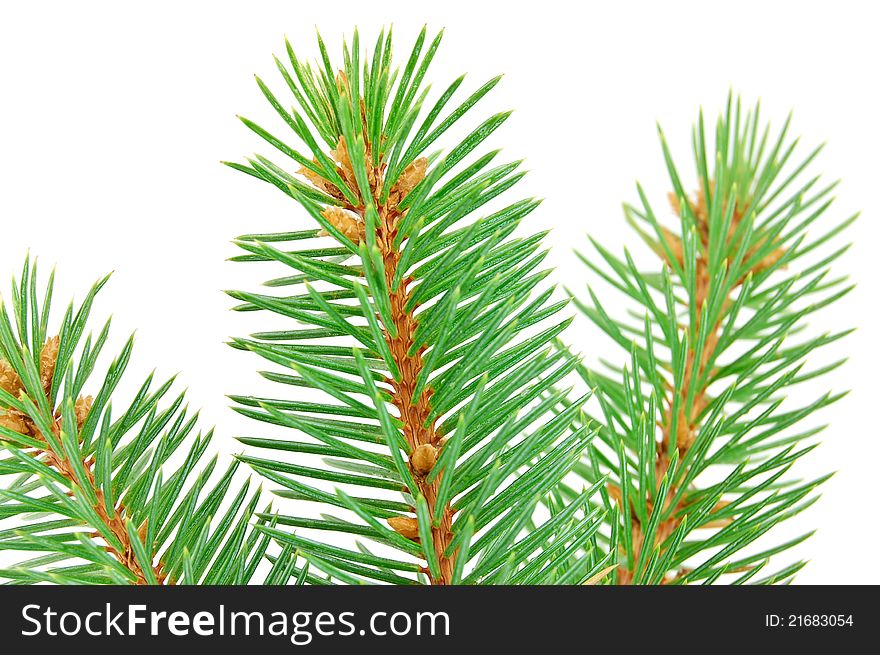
(420, 318)
(89, 492)
(427, 424)
(697, 430)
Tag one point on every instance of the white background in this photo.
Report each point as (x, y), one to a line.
(114, 116)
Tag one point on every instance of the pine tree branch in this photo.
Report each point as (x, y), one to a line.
(700, 397)
(679, 432)
(419, 428)
(80, 472)
(415, 410)
(104, 505)
(429, 318)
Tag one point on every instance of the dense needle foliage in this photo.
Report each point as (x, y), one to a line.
(700, 428)
(419, 316)
(426, 434)
(88, 494)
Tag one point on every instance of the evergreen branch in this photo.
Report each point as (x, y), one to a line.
(97, 494)
(700, 396)
(440, 350)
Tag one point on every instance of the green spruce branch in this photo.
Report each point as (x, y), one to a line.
(89, 495)
(422, 404)
(697, 433)
(422, 320)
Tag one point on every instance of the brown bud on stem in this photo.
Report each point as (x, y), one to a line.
(318, 181)
(343, 221)
(345, 168)
(9, 380)
(81, 409)
(15, 423)
(48, 360)
(409, 179)
(405, 526)
(12, 384)
(423, 458)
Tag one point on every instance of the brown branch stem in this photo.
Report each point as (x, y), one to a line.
(414, 412)
(113, 521)
(419, 431)
(687, 423)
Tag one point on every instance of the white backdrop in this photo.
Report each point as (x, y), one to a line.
(113, 118)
